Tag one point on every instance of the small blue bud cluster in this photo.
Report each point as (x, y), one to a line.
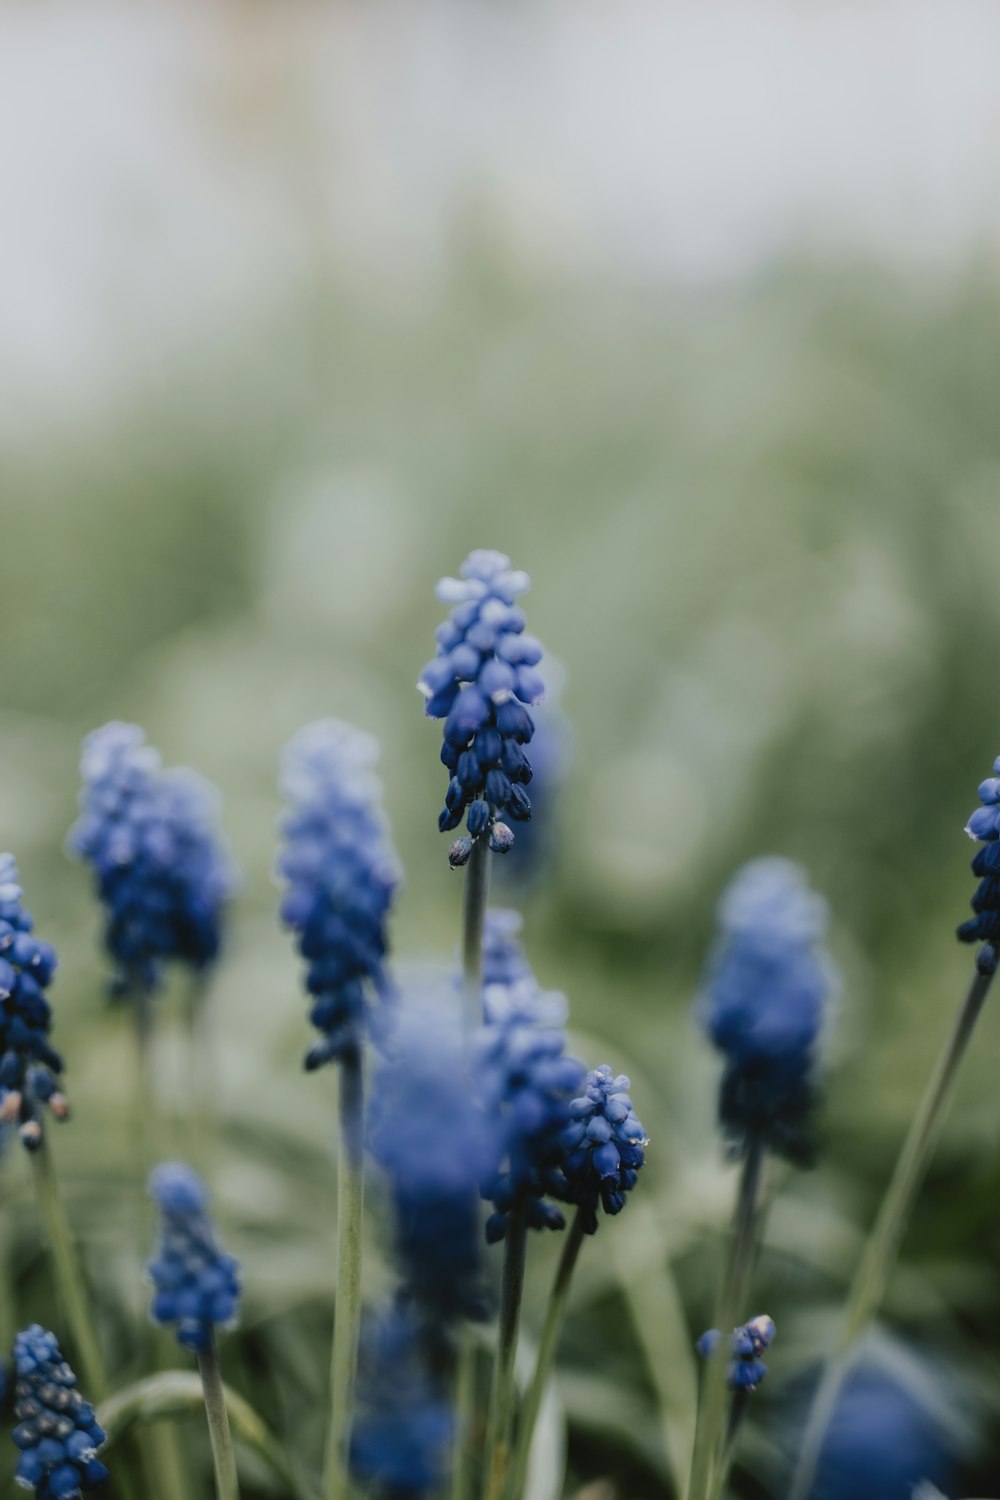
(161, 870)
(525, 1081)
(504, 962)
(342, 875)
(28, 1064)
(403, 1425)
(984, 825)
(748, 1343)
(480, 681)
(196, 1285)
(604, 1146)
(763, 1002)
(57, 1431)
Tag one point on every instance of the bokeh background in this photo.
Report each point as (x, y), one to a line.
(695, 312)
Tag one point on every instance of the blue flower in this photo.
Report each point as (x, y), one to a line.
(480, 681)
(57, 1432)
(747, 1344)
(503, 953)
(881, 1440)
(525, 1082)
(403, 1425)
(435, 1147)
(29, 1067)
(603, 1146)
(161, 870)
(196, 1285)
(763, 1002)
(551, 760)
(341, 874)
(984, 825)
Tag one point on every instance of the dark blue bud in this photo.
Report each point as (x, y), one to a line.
(478, 819)
(501, 838)
(459, 853)
(498, 787)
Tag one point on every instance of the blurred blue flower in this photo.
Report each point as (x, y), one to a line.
(603, 1146)
(984, 825)
(341, 873)
(57, 1431)
(881, 1441)
(161, 869)
(762, 1004)
(483, 675)
(504, 961)
(403, 1425)
(28, 1064)
(525, 1082)
(196, 1285)
(747, 1343)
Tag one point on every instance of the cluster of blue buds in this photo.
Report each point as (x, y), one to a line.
(984, 825)
(504, 961)
(161, 869)
(604, 1146)
(525, 1081)
(403, 1424)
(56, 1430)
(480, 681)
(196, 1285)
(29, 1066)
(763, 1002)
(341, 874)
(435, 1147)
(748, 1343)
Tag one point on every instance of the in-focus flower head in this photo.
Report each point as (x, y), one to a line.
(196, 1285)
(435, 1146)
(603, 1146)
(763, 1001)
(525, 1081)
(341, 873)
(984, 825)
(403, 1425)
(480, 682)
(57, 1431)
(161, 869)
(747, 1344)
(536, 846)
(29, 1066)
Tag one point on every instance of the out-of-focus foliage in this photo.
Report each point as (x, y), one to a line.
(763, 534)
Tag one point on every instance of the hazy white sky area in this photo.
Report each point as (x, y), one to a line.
(170, 172)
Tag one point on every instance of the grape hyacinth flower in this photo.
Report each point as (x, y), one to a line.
(404, 1427)
(551, 762)
(984, 825)
(29, 1066)
(160, 868)
(603, 1146)
(57, 1431)
(747, 1343)
(480, 682)
(763, 1003)
(196, 1285)
(342, 874)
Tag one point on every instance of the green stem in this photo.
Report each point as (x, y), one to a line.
(868, 1285)
(709, 1436)
(465, 1405)
(554, 1317)
(502, 1395)
(227, 1486)
(476, 896)
(68, 1272)
(350, 1209)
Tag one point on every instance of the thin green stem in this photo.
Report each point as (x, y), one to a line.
(227, 1486)
(350, 1210)
(555, 1315)
(465, 1405)
(709, 1436)
(501, 1419)
(477, 891)
(70, 1286)
(871, 1277)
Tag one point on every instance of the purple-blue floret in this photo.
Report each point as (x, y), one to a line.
(196, 1285)
(604, 1146)
(29, 1065)
(747, 1344)
(984, 825)
(57, 1432)
(404, 1424)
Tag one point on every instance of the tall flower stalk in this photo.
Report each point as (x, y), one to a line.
(341, 876)
(871, 1276)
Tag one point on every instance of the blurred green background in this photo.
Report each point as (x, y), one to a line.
(761, 521)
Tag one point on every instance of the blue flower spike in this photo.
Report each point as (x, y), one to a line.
(196, 1285)
(604, 1146)
(763, 1003)
(29, 1065)
(341, 876)
(404, 1426)
(747, 1344)
(481, 683)
(984, 826)
(57, 1431)
(162, 872)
